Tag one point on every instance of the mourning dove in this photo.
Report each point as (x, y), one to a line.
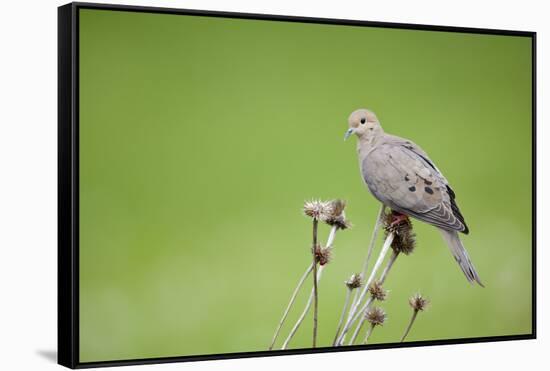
(401, 175)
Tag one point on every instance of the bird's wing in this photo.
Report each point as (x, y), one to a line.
(401, 175)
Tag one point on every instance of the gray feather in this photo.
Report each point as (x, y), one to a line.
(401, 176)
(461, 255)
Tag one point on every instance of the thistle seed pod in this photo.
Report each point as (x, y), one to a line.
(376, 316)
(336, 216)
(399, 224)
(418, 302)
(377, 291)
(323, 255)
(317, 209)
(355, 281)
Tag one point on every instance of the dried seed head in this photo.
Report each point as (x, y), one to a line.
(404, 240)
(376, 316)
(337, 206)
(418, 302)
(337, 216)
(323, 255)
(355, 281)
(317, 209)
(377, 291)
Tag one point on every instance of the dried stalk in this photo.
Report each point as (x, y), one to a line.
(304, 312)
(353, 311)
(372, 242)
(377, 265)
(315, 292)
(361, 321)
(365, 308)
(415, 312)
(384, 275)
(341, 321)
(369, 332)
(331, 236)
(373, 238)
(330, 241)
(290, 304)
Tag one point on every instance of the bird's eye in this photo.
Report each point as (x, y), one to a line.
(363, 120)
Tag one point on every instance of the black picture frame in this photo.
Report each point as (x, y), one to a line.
(68, 182)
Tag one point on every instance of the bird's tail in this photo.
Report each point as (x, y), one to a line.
(461, 255)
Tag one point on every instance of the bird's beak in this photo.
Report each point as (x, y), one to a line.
(348, 133)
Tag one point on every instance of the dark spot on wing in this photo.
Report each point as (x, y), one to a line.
(429, 190)
(428, 182)
(412, 189)
(406, 178)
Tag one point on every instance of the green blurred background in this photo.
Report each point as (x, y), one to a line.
(200, 138)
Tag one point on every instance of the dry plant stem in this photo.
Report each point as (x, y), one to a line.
(315, 292)
(340, 323)
(361, 321)
(373, 239)
(393, 257)
(415, 312)
(289, 306)
(377, 265)
(331, 236)
(299, 322)
(371, 246)
(304, 312)
(369, 332)
(355, 307)
(330, 241)
(365, 307)
(357, 315)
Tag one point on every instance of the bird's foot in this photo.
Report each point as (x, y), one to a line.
(398, 218)
(395, 221)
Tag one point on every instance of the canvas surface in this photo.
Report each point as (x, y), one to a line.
(200, 138)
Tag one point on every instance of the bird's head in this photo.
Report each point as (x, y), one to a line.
(363, 123)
